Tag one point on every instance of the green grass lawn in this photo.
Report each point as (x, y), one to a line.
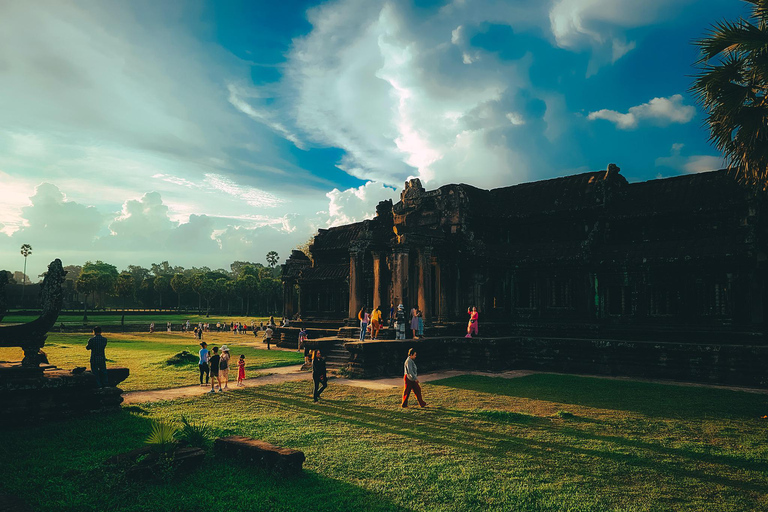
(145, 356)
(537, 443)
(160, 319)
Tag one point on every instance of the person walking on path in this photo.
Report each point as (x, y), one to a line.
(411, 380)
(96, 345)
(241, 370)
(375, 323)
(203, 364)
(364, 318)
(472, 326)
(224, 366)
(319, 374)
(214, 362)
(268, 336)
(414, 322)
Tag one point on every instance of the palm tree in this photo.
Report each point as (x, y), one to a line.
(272, 258)
(26, 250)
(732, 86)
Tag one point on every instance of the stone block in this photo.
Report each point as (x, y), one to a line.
(260, 454)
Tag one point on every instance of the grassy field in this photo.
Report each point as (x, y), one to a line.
(538, 443)
(145, 355)
(159, 318)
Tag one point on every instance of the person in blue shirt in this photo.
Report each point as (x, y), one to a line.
(205, 355)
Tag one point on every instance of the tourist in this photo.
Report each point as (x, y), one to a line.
(96, 345)
(203, 363)
(268, 336)
(232, 326)
(214, 362)
(319, 375)
(375, 323)
(261, 326)
(224, 366)
(168, 326)
(391, 315)
(414, 322)
(285, 322)
(218, 326)
(410, 379)
(472, 326)
(271, 322)
(364, 318)
(400, 322)
(187, 326)
(241, 370)
(302, 338)
(420, 332)
(152, 327)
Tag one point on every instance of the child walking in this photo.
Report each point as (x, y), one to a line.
(241, 370)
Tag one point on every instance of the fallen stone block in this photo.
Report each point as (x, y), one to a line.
(260, 453)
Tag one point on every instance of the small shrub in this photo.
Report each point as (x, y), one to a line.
(183, 358)
(564, 414)
(162, 437)
(194, 434)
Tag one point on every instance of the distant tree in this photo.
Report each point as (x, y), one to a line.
(237, 267)
(124, 289)
(105, 277)
(26, 250)
(146, 292)
(86, 284)
(196, 283)
(247, 286)
(6, 277)
(139, 275)
(20, 277)
(179, 284)
(162, 284)
(732, 85)
(272, 258)
(305, 247)
(164, 269)
(208, 291)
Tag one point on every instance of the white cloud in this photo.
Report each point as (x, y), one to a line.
(356, 204)
(660, 111)
(689, 164)
(251, 195)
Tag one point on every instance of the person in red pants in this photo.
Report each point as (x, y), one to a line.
(411, 379)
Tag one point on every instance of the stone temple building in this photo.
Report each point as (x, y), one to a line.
(583, 253)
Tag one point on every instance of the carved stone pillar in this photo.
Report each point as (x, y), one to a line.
(399, 275)
(377, 277)
(288, 299)
(355, 282)
(425, 283)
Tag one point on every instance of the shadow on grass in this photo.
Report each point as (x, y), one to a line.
(428, 426)
(657, 400)
(65, 460)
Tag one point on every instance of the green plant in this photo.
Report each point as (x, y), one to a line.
(194, 434)
(162, 438)
(564, 414)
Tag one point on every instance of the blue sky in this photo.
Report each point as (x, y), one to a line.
(207, 132)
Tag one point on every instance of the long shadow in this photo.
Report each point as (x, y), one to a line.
(430, 430)
(650, 399)
(64, 460)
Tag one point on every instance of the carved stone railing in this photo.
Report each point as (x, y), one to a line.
(32, 335)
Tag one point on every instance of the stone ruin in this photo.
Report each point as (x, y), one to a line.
(32, 389)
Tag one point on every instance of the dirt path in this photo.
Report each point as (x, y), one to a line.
(294, 373)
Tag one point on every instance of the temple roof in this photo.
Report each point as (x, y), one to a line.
(338, 237)
(325, 272)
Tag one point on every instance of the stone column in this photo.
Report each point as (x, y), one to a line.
(355, 282)
(425, 283)
(376, 279)
(288, 299)
(399, 274)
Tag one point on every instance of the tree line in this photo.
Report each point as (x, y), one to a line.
(246, 288)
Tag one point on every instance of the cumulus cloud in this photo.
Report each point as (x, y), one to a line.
(392, 90)
(689, 164)
(356, 204)
(659, 111)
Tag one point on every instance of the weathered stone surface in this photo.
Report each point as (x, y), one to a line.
(260, 453)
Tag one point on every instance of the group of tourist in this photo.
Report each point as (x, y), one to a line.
(214, 364)
(372, 322)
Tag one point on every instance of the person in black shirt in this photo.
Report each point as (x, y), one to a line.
(214, 364)
(96, 345)
(319, 374)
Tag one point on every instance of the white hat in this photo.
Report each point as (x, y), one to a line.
(400, 306)
(224, 347)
